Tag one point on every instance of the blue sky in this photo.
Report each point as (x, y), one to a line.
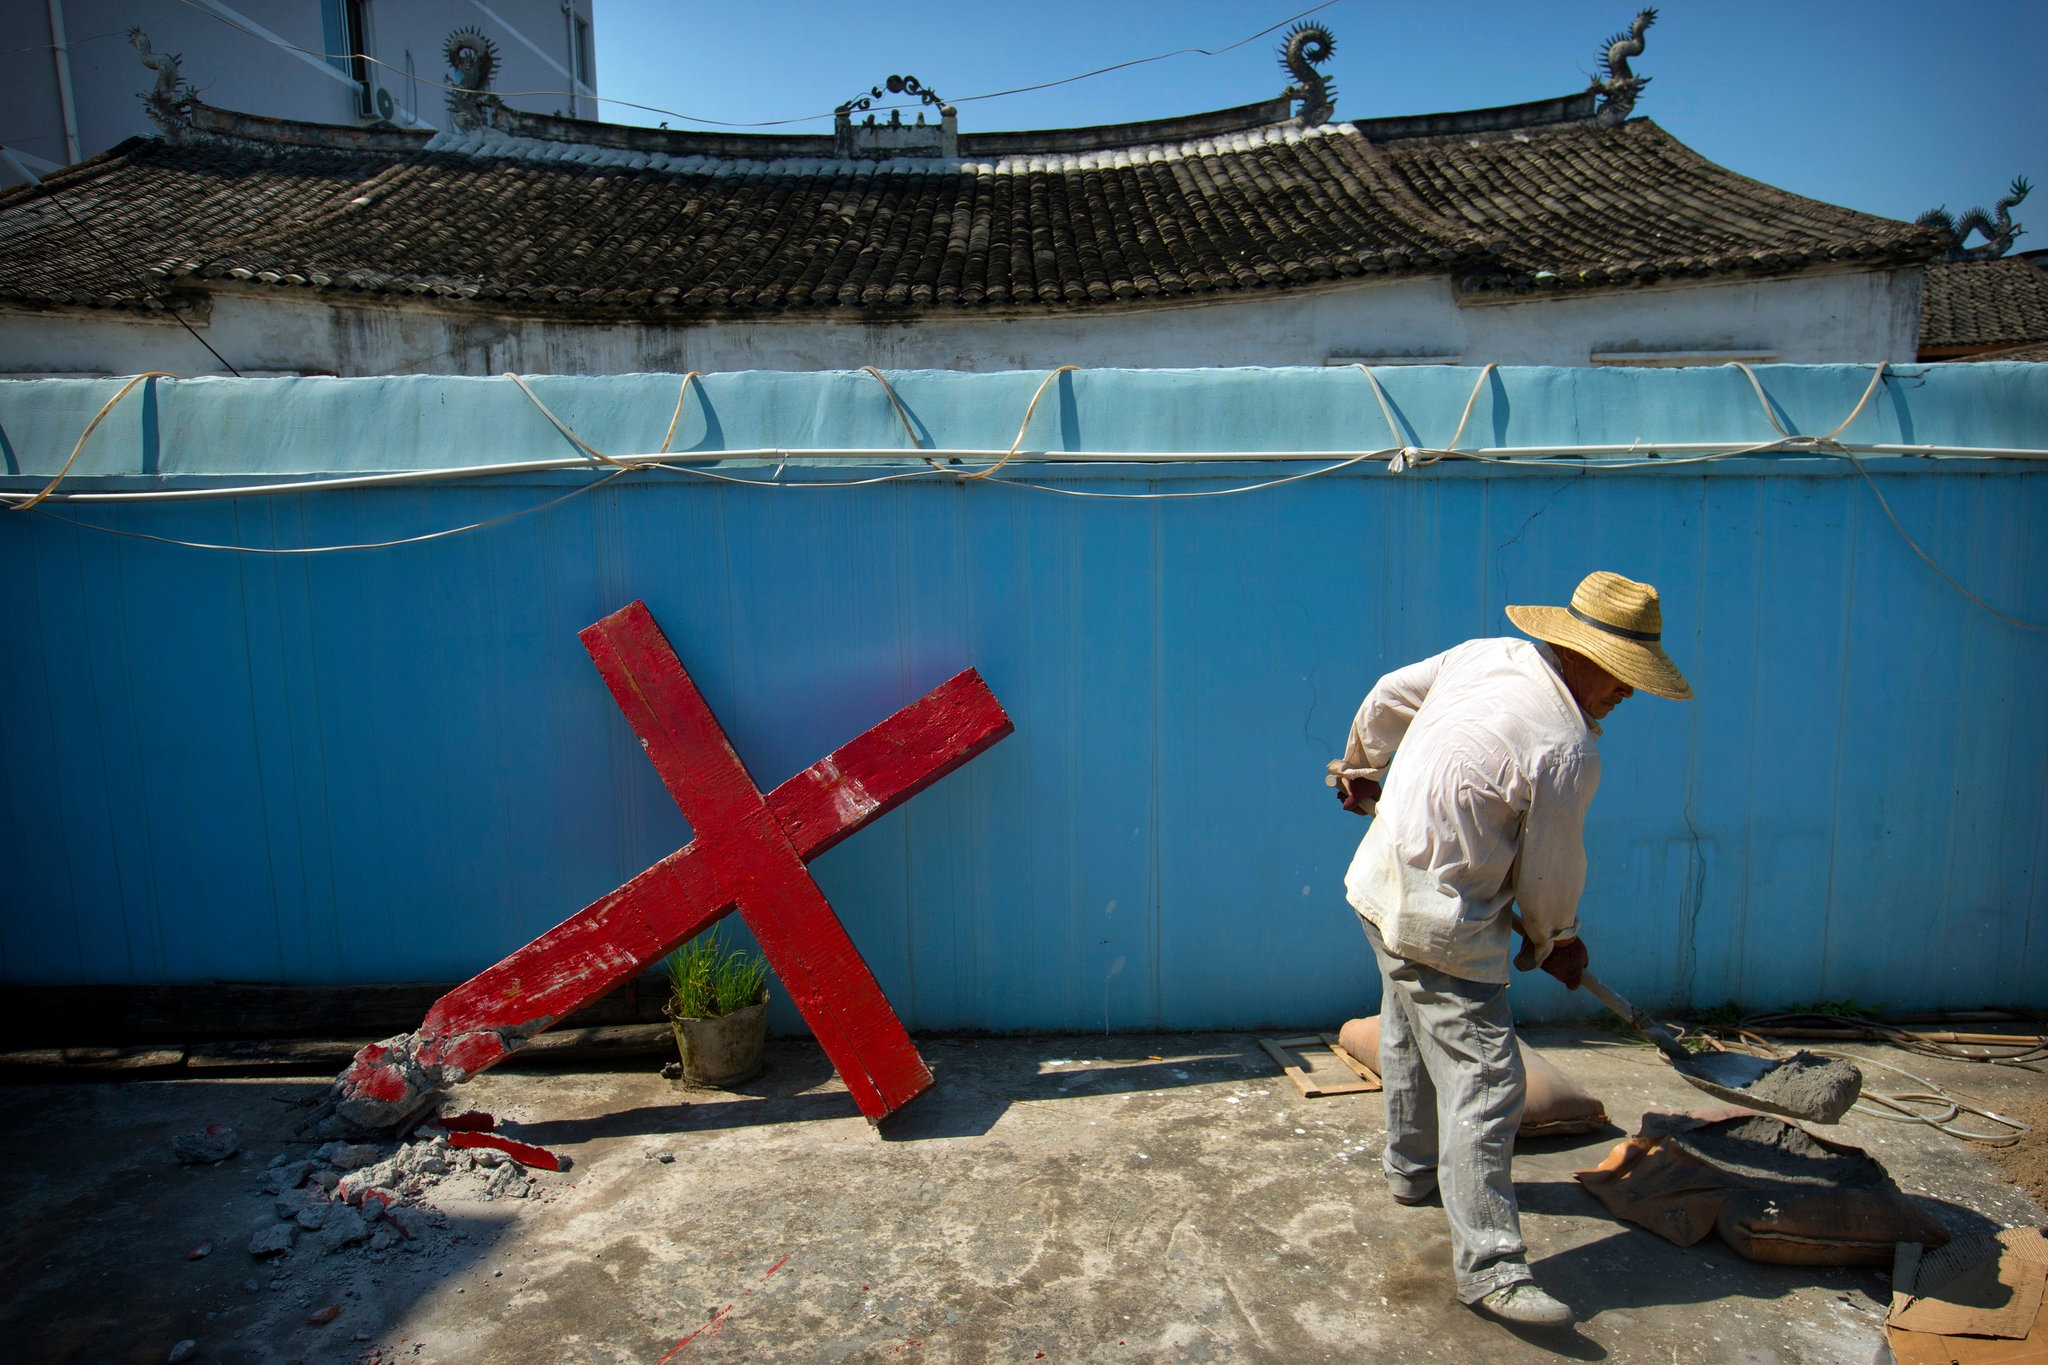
(1883, 106)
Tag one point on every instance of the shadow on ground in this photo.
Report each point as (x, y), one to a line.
(95, 1251)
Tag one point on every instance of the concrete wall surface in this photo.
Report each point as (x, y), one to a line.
(399, 764)
(1810, 318)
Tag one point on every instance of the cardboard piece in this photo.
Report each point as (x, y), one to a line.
(1975, 1287)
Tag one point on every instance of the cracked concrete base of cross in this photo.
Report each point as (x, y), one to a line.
(1130, 1198)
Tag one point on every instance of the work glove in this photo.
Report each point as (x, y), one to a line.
(1356, 792)
(1567, 962)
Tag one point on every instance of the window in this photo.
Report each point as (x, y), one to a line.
(358, 44)
(583, 71)
(345, 34)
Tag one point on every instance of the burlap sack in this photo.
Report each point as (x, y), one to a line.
(1556, 1104)
(1772, 1190)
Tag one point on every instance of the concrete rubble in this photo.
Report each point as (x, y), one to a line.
(381, 1195)
(209, 1146)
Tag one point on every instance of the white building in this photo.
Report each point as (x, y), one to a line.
(71, 79)
(1558, 232)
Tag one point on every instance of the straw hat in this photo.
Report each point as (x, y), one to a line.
(1618, 624)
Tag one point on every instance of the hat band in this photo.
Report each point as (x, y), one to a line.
(1652, 636)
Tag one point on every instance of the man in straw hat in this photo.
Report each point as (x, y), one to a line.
(1499, 757)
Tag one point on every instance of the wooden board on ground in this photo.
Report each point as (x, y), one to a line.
(1323, 1066)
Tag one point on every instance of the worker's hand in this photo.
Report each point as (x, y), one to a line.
(1359, 795)
(1567, 962)
(1356, 792)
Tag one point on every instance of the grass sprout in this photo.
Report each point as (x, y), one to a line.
(708, 980)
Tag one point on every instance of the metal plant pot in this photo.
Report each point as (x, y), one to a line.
(725, 1050)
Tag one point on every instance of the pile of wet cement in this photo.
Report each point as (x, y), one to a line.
(1803, 1083)
(1770, 1150)
(1810, 1084)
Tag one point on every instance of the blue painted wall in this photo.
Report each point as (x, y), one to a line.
(400, 764)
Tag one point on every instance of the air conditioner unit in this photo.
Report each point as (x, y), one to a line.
(380, 104)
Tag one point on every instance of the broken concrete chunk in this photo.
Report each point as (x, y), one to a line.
(389, 1070)
(215, 1142)
(487, 1158)
(326, 1179)
(274, 1240)
(182, 1351)
(424, 1158)
(385, 1238)
(288, 1204)
(350, 1189)
(313, 1217)
(410, 1222)
(376, 1201)
(346, 1156)
(285, 1175)
(509, 1181)
(345, 1227)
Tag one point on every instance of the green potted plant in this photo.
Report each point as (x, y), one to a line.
(718, 1004)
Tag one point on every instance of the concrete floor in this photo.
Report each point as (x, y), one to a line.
(1144, 1198)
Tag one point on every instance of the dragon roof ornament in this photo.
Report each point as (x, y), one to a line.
(1307, 47)
(169, 100)
(1617, 84)
(1999, 230)
(473, 58)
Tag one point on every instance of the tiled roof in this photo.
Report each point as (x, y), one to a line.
(2038, 351)
(1531, 198)
(2001, 302)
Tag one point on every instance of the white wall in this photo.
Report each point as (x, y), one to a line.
(1808, 319)
(233, 70)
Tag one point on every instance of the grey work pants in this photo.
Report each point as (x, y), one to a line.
(1454, 1092)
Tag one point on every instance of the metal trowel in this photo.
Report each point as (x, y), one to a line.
(1801, 1086)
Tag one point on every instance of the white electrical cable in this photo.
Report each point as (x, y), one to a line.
(1534, 457)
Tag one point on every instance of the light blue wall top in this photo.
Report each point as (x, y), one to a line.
(399, 764)
(302, 426)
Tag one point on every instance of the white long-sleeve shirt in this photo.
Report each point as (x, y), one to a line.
(1487, 805)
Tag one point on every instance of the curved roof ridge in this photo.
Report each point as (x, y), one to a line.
(489, 142)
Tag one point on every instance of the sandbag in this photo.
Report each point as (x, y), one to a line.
(1557, 1104)
(1772, 1190)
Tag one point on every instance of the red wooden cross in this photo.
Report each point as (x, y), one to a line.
(749, 854)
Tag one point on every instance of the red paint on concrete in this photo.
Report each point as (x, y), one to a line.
(525, 1153)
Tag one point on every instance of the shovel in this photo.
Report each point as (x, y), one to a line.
(1802, 1086)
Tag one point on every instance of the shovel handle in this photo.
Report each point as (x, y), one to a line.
(1666, 1041)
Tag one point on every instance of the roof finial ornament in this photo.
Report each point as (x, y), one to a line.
(474, 60)
(896, 85)
(895, 138)
(2000, 232)
(1617, 84)
(170, 99)
(1308, 47)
